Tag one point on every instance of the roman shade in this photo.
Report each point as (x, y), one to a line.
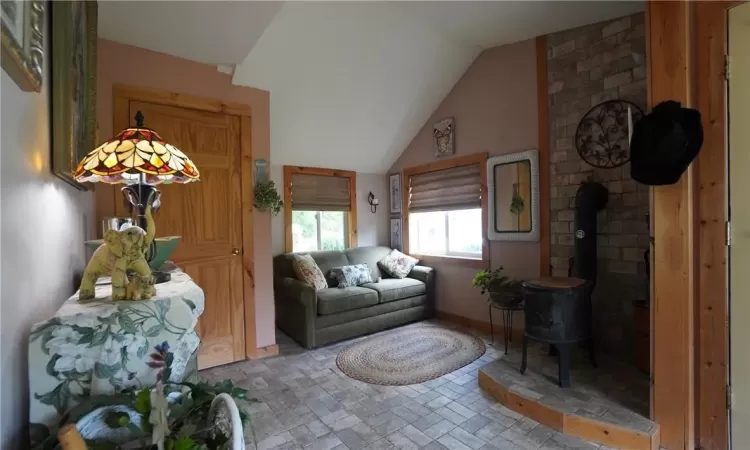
(448, 189)
(320, 193)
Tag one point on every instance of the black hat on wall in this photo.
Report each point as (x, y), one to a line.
(664, 144)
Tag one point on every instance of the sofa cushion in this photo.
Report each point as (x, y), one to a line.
(335, 300)
(397, 264)
(307, 270)
(369, 256)
(354, 275)
(327, 260)
(390, 289)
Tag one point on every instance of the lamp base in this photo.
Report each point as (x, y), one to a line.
(139, 197)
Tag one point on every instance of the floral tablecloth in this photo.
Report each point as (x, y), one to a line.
(101, 346)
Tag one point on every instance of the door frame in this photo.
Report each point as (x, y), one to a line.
(106, 194)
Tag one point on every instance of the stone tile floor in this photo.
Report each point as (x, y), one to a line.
(306, 402)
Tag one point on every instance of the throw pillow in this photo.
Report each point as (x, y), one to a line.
(397, 264)
(307, 270)
(355, 275)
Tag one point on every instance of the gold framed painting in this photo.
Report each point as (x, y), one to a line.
(73, 84)
(22, 24)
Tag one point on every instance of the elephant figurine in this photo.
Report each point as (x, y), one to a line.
(122, 251)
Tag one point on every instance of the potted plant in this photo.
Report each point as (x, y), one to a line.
(503, 290)
(165, 416)
(267, 197)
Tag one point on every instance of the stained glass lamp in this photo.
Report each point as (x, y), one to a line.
(139, 158)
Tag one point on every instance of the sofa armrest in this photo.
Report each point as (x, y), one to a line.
(422, 273)
(427, 276)
(301, 292)
(296, 309)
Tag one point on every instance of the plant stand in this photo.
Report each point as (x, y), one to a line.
(507, 315)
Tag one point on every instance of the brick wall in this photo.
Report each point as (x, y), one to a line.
(586, 66)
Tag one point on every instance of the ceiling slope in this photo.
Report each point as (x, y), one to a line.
(211, 32)
(350, 83)
(492, 23)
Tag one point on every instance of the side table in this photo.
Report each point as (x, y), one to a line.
(101, 346)
(507, 313)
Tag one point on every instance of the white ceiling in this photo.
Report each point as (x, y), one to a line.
(212, 32)
(492, 23)
(351, 82)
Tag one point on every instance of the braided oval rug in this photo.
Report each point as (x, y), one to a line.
(409, 355)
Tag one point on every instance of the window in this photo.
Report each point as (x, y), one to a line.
(447, 233)
(320, 209)
(319, 230)
(446, 209)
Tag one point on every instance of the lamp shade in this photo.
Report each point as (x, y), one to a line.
(134, 152)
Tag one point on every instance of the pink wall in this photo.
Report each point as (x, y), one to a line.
(119, 63)
(495, 109)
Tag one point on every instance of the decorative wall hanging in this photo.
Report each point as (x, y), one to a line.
(443, 137)
(513, 187)
(394, 188)
(396, 234)
(23, 42)
(73, 85)
(603, 134)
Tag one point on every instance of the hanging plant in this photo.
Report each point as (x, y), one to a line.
(517, 204)
(267, 197)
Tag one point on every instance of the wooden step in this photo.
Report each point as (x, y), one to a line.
(560, 410)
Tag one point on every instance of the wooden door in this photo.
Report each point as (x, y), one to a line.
(208, 216)
(739, 249)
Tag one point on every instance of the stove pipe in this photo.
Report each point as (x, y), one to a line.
(590, 199)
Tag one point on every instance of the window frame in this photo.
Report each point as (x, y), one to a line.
(351, 218)
(476, 158)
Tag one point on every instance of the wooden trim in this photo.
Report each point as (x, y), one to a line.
(544, 159)
(670, 66)
(451, 260)
(181, 100)
(264, 352)
(352, 216)
(582, 427)
(288, 239)
(484, 327)
(476, 158)
(248, 232)
(711, 315)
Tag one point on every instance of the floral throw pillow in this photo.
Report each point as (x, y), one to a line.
(307, 270)
(348, 276)
(397, 264)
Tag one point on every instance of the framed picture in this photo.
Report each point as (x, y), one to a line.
(396, 234)
(394, 188)
(73, 85)
(443, 137)
(23, 25)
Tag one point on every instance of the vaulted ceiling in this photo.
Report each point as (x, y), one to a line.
(351, 83)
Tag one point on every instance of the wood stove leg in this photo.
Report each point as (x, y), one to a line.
(592, 353)
(563, 365)
(524, 353)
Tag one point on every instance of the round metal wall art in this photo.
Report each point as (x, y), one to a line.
(602, 134)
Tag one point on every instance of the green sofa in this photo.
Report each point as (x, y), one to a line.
(317, 318)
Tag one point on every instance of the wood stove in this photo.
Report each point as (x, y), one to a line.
(558, 312)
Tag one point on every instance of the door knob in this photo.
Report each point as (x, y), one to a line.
(235, 251)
